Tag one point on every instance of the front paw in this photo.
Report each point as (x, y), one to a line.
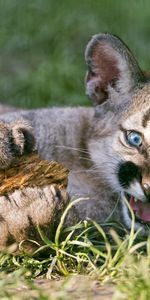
(16, 139)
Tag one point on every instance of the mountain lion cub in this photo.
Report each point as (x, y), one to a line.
(107, 147)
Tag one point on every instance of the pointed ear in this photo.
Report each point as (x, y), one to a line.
(111, 65)
(23, 138)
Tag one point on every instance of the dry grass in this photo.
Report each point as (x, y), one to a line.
(30, 171)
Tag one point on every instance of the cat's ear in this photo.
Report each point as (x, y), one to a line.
(111, 66)
(23, 137)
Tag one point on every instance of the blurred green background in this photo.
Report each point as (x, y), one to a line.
(42, 45)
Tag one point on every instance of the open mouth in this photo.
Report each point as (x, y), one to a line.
(140, 209)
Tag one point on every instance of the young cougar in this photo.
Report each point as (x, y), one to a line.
(107, 147)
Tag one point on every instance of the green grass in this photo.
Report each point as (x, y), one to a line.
(107, 253)
(42, 45)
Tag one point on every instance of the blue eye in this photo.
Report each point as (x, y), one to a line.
(134, 139)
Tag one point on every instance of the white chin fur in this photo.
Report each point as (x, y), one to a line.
(135, 189)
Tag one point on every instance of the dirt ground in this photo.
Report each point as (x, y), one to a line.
(72, 288)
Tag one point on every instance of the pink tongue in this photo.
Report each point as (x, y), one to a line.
(142, 209)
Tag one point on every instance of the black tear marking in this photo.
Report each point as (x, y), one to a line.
(128, 172)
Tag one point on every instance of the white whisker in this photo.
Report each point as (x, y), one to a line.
(74, 149)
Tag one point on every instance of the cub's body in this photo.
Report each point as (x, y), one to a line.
(106, 148)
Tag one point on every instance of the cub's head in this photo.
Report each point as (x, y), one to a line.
(120, 135)
(16, 139)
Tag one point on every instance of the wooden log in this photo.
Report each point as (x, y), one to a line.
(32, 192)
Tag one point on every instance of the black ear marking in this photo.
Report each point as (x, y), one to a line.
(29, 140)
(23, 139)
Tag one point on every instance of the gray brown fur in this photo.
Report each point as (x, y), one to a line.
(89, 140)
(32, 193)
(23, 210)
(7, 108)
